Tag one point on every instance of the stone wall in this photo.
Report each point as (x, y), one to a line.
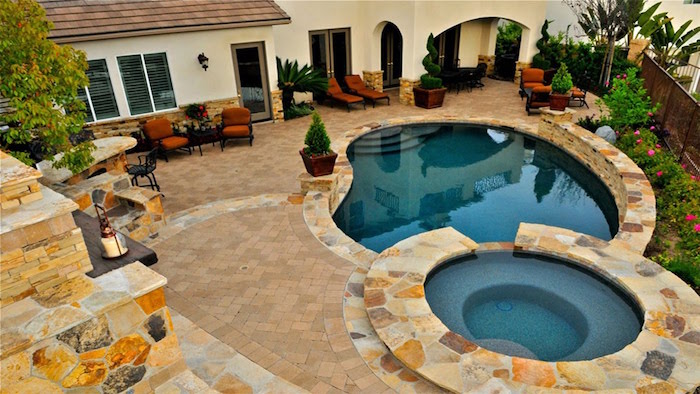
(519, 67)
(103, 335)
(374, 80)
(490, 61)
(406, 90)
(133, 124)
(19, 183)
(277, 107)
(637, 46)
(41, 245)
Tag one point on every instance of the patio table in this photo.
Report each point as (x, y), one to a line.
(199, 137)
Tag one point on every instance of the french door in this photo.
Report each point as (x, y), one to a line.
(392, 46)
(447, 44)
(330, 51)
(251, 78)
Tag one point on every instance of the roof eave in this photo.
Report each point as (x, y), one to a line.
(167, 30)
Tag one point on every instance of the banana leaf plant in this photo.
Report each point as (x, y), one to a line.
(290, 79)
(648, 22)
(673, 47)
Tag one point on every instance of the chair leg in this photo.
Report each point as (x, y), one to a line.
(364, 105)
(155, 181)
(388, 101)
(133, 180)
(221, 143)
(251, 139)
(165, 154)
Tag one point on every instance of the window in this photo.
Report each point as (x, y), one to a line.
(99, 96)
(147, 84)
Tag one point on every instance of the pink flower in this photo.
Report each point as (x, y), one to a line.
(617, 133)
(617, 76)
(636, 132)
(697, 228)
(651, 152)
(684, 165)
(607, 83)
(659, 173)
(658, 146)
(624, 76)
(691, 217)
(692, 177)
(650, 114)
(639, 141)
(652, 128)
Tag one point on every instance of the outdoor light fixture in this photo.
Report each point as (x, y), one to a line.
(113, 243)
(203, 60)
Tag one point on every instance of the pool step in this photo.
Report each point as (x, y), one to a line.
(392, 140)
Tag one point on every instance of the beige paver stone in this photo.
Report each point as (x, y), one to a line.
(411, 354)
(583, 374)
(32, 385)
(229, 384)
(53, 362)
(15, 368)
(164, 352)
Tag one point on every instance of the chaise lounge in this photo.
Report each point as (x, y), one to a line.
(358, 87)
(336, 94)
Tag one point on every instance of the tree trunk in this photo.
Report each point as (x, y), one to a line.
(287, 98)
(611, 56)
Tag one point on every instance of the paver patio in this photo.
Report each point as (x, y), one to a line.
(257, 279)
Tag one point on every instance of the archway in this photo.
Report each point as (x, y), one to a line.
(391, 55)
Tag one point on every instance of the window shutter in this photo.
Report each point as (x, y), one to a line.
(101, 94)
(159, 79)
(82, 95)
(135, 84)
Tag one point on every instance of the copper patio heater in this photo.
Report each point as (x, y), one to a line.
(113, 243)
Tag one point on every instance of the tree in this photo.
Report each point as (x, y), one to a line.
(41, 81)
(291, 79)
(543, 59)
(508, 39)
(673, 47)
(430, 79)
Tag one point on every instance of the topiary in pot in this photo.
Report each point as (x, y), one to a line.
(430, 94)
(318, 157)
(561, 85)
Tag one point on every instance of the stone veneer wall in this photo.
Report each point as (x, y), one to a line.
(406, 90)
(41, 245)
(490, 61)
(103, 335)
(277, 108)
(519, 67)
(374, 80)
(133, 124)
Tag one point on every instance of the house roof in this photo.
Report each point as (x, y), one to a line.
(88, 20)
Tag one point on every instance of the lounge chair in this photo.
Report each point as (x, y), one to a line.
(235, 123)
(538, 97)
(160, 135)
(358, 87)
(579, 95)
(530, 78)
(336, 94)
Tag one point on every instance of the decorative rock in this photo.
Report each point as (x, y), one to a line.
(648, 268)
(659, 365)
(374, 298)
(533, 372)
(457, 343)
(411, 354)
(668, 293)
(675, 325)
(380, 317)
(389, 363)
(229, 384)
(416, 291)
(164, 352)
(126, 349)
(692, 337)
(93, 334)
(123, 378)
(87, 373)
(65, 293)
(656, 388)
(53, 362)
(152, 301)
(125, 318)
(584, 375)
(606, 133)
(155, 325)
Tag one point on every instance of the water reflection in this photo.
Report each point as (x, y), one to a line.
(481, 181)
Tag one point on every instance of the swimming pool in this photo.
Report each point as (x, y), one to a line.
(483, 181)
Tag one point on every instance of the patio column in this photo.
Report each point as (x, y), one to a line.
(489, 34)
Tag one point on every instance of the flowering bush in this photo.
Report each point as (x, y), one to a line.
(627, 102)
(197, 112)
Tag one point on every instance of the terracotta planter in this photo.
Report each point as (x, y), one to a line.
(319, 165)
(429, 98)
(558, 102)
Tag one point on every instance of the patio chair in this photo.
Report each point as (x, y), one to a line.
(358, 87)
(480, 73)
(235, 123)
(530, 78)
(145, 169)
(336, 94)
(468, 79)
(538, 97)
(160, 135)
(579, 95)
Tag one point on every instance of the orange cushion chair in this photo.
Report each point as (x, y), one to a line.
(579, 95)
(530, 78)
(336, 94)
(235, 123)
(358, 87)
(538, 98)
(160, 135)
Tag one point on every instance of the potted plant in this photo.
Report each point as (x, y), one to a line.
(561, 85)
(197, 113)
(318, 157)
(430, 94)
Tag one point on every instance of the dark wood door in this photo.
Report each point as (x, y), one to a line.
(392, 49)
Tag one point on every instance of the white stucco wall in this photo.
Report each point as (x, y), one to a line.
(415, 19)
(190, 82)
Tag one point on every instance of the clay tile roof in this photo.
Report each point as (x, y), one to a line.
(84, 20)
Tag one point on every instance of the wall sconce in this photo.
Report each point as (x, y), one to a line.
(203, 60)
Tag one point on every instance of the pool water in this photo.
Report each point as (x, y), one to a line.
(532, 306)
(480, 180)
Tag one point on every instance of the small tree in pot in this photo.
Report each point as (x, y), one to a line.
(430, 94)
(561, 85)
(318, 157)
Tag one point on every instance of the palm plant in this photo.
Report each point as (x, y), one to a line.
(293, 79)
(673, 47)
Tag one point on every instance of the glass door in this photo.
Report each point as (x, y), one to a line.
(251, 79)
(447, 44)
(392, 45)
(330, 51)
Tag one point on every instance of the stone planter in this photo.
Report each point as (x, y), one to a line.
(319, 165)
(429, 98)
(558, 102)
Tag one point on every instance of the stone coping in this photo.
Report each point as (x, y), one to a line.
(636, 202)
(13, 171)
(106, 148)
(50, 206)
(665, 356)
(75, 301)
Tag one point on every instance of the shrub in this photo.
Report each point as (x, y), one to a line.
(627, 102)
(590, 123)
(291, 78)
(430, 80)
(196, 112)
(508, 38)
(561, 82)
(298, 110)
(316, 140)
